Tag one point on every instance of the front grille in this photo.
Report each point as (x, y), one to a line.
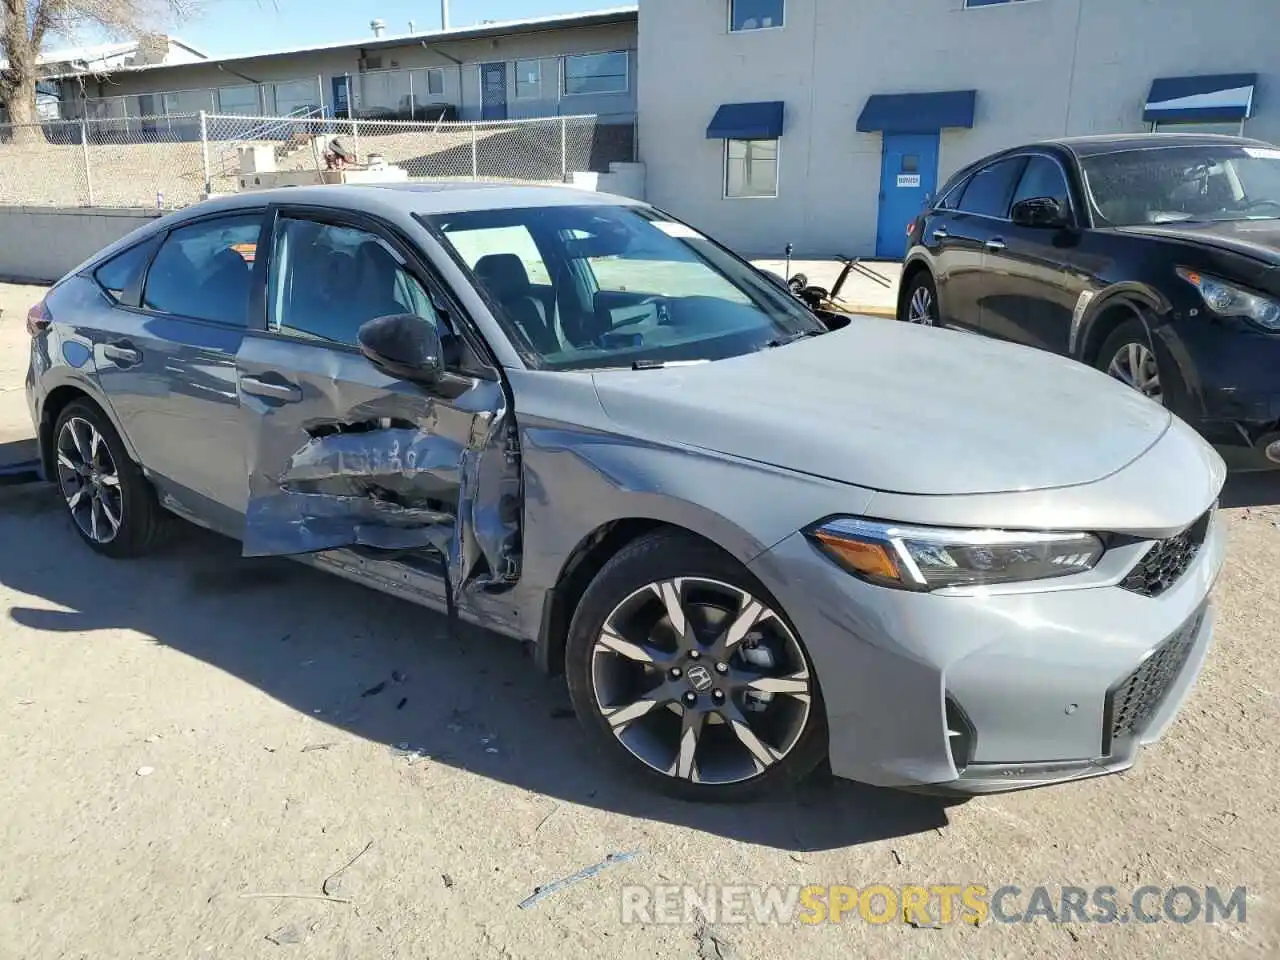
(1168, 560)
(1134, 701)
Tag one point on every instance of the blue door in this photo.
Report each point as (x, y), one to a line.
(493, 91)
(908, 178)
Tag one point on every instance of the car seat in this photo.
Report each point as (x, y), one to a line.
(505, 279)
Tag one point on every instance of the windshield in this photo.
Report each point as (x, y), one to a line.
(1176, 184)
(584, 287)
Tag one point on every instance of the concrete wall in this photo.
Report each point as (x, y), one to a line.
(1041, 69)
(40, 244)
(461, 79)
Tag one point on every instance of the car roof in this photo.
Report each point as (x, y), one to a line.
(1119, 142)
(426, 198)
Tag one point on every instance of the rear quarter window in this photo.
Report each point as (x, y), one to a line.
(116, 275)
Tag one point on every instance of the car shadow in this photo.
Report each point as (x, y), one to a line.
(1252, 489)
(390, 672)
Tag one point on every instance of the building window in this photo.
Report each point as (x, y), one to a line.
(528, 79)
(1232, 128)
(596, 73)
(750, 168)
(970, 4)
(435, 82)
(241, 100)
(756, 14)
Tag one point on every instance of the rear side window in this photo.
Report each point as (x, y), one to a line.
(990, 189)
(117, 274)
(205, 270)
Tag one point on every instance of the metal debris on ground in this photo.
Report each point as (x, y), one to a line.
(410, 754)
(587, 873)
(335, 877)
(318, 746)
(447, 880)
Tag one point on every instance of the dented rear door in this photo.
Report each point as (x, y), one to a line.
(343, 455)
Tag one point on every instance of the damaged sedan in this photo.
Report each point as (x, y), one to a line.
(754, 538)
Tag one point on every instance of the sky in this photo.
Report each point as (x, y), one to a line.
(239, 26)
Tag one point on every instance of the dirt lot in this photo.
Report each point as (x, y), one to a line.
(183, 734)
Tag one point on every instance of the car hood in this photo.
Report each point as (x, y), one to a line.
(896, 407)
(1259, 239)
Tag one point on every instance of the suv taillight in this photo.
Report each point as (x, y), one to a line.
(38, 319)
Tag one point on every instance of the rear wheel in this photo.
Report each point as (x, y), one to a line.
(684, 670)
(111, 505)
(1127, 355)
(921, 302)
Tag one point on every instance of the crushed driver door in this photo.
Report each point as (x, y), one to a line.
(340, 454)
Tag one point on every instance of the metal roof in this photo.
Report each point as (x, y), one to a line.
(500, 28)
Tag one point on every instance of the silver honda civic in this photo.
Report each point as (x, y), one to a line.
(753, 537)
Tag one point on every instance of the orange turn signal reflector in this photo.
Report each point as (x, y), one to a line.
(868, 559)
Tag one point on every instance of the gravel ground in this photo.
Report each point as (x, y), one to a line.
(183, 734)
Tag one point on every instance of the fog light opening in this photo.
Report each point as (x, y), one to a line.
(961, 737)
(1273, 451)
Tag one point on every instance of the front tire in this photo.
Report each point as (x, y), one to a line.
(921, 302)
(1127, 356)
(684, 671)
(112, 506)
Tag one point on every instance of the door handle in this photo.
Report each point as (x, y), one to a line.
(995, 245)
(274, 391)
(941, 233)
(121, 353)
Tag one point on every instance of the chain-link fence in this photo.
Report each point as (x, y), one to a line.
(173, 160)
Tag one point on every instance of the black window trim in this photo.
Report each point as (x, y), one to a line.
(256, 278)
(413, 262)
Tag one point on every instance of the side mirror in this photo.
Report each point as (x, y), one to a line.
(403, 345)
(1044, 212)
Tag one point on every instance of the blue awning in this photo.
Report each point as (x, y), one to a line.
(1212, 99)
(747, 121)
(917, 112)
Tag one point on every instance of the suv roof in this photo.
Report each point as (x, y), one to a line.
(1116, 142)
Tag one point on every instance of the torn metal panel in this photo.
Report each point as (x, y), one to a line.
(400, 472)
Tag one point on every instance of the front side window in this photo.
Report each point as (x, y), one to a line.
(627, 286)
(756, 14)
(327, 281)
(1043, 178)
(205, 270)
(1173, 184)
(596, 73)
(751, 168)
(991, 188)
(528, 79)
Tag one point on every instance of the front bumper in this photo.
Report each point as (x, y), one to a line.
(988, 693)
(1232, 376)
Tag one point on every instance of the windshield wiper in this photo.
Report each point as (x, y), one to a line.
(662, 364)
(803, 335)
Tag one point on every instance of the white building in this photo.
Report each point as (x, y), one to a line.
(828, 122)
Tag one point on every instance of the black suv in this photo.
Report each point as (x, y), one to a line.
(1154, 257)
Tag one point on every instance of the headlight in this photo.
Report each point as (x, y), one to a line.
(929, 558)
(1227, 300)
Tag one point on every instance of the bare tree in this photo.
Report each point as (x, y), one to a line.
(26, 24)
